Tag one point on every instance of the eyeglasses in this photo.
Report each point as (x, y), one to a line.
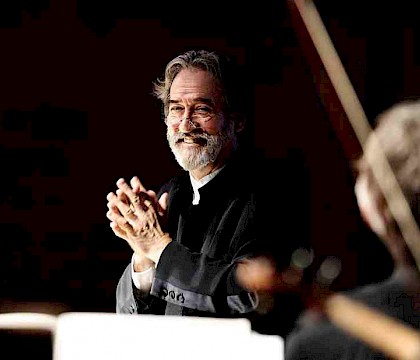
(197, 116)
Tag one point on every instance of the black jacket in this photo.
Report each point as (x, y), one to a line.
(237, 217)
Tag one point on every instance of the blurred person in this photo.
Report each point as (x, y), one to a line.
(315, 336)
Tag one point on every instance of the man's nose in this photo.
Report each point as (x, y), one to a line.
(187, 124)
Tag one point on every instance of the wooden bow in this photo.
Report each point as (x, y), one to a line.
(376, 329)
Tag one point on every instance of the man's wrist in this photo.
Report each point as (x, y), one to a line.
(142, 263)
(155, 253)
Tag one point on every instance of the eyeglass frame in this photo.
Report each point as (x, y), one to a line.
(195, 116)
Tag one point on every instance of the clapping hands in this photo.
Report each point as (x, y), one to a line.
(138, 216)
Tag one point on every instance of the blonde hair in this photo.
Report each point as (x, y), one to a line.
(398, 134)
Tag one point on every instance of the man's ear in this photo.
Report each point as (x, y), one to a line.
(372, 213)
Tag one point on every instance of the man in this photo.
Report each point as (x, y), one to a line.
(188, 239)
(315, 337)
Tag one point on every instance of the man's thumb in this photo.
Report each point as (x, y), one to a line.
(163, 203)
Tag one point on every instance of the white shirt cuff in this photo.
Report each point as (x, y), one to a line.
(142, 280)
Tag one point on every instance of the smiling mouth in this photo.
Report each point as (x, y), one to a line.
(192, 141)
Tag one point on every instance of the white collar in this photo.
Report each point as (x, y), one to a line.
(197, 184)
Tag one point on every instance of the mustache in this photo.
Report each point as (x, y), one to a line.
(177, 137)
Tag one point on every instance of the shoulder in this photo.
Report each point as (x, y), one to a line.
(316, 339)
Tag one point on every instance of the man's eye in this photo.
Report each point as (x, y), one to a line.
(175, 109)
(203, 110)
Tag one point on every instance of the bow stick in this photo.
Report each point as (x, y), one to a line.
(344, 312)
(393, 194)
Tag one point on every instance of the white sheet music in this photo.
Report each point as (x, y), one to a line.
(110, 336)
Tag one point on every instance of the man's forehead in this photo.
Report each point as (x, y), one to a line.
(193, 80)
(195, 85)
(201, 100)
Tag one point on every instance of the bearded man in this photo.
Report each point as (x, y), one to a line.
(188, 238)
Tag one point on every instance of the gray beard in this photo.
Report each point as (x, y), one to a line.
(192, 159)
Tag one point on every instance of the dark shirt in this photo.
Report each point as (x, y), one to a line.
(320, 339)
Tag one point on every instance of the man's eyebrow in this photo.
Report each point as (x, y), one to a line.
(207, 101)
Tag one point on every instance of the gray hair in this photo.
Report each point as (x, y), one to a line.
(221, 67)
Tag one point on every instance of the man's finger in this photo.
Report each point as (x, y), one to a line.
(122, 196)
(163, 202)
(141, 202)
(136, 185)
(118, 231)
(123, 186)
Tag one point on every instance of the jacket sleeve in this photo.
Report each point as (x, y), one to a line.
(129, 300)
(196, 281)
(126, 303)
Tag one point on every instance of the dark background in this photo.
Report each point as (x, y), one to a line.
(76, 114)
